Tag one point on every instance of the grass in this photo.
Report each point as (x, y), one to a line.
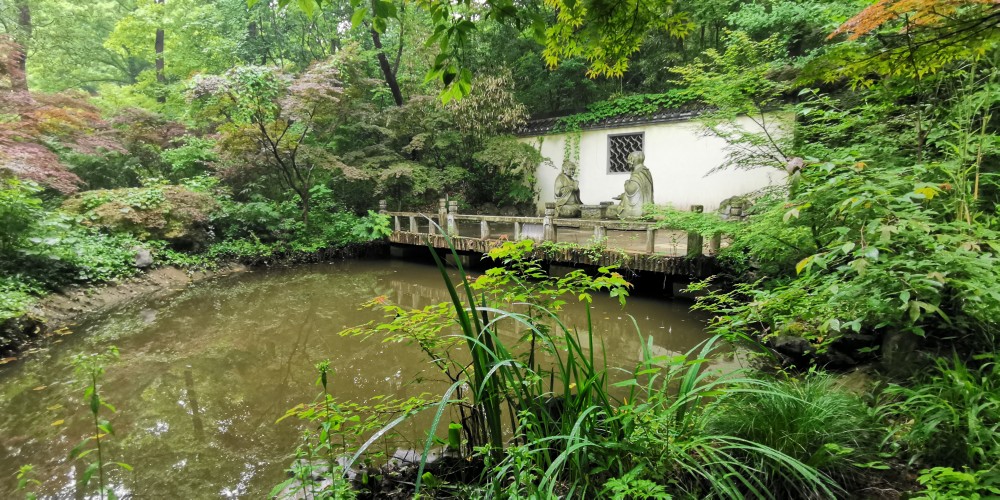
(659, 433)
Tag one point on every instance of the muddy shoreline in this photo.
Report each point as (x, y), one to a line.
(56, 310)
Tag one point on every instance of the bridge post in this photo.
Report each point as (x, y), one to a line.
(484, 230)
(600, 233)
(549, 232)
(695, 240)
(452, 223)
(413, 225)
(395, 224)
(382, 207)
(650, 239)
(443, 214)
(517, 231)
(715, 244)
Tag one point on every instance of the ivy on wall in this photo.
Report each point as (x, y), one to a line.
(632, 105)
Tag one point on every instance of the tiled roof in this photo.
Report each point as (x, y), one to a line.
(549, 125)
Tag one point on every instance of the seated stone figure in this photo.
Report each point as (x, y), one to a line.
(567, 192)
(638, 188)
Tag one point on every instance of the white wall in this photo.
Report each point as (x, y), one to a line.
(678, 154)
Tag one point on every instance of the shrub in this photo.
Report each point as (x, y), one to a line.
(869, 249)
(20, 211)
(942, 483)
(171, 213)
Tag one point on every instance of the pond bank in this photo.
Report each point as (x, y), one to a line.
(58, 309)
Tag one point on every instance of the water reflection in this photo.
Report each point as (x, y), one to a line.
(204, 375)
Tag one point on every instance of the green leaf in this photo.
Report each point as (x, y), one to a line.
(803, 264)
(358, 17)
(88, 473)
(77, 450)
(308, 7)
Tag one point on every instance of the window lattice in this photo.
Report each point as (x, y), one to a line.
(619, 147)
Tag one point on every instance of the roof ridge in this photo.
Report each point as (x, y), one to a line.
(544, 126)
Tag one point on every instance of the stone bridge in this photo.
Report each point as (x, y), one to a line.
(631, 245)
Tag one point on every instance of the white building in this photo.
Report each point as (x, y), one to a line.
(679, 152)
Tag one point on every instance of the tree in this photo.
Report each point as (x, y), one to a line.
(24, 23)
(276, 122)
(158, 47)
(741, 82)
(912, 38)
(37, 127)
(69, 49)
(604, 32)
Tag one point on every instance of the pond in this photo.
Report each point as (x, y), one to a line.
(204, 374)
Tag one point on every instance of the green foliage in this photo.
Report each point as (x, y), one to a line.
(157, 212)
(43, 250)
(26, 481)
(952, 417)
(90, 367)
(867, 247)
(570, 432)
(192, 158)
(630, 486)
(743, 88)
(338, 430)
(631, 105)
(505, 172)
(945, 482)
(261, 230)
(20, 210)
(706, 224)
(16, 296)
(810, 419)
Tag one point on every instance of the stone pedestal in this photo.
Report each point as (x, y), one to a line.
(592, 212)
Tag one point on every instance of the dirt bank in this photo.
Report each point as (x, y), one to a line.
(55, 310)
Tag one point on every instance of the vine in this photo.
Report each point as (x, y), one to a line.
(571, 147)
(634, 105)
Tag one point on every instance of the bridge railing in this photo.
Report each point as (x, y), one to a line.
(447, 219)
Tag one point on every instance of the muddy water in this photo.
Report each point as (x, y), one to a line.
(204, 374)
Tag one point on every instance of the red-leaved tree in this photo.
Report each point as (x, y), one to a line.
(34, 128)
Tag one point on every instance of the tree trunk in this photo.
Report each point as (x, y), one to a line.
(256, 43)
(305, 208)
(158, 47)
(383, 62)
(24, 22)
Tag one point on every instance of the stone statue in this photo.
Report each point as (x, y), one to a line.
(638, 188)
(567, 192)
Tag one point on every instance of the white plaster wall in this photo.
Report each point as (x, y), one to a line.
(678, 154)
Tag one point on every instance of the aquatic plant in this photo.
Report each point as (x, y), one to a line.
(91, 367)
(26, 481)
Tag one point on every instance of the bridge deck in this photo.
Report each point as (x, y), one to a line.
(634, 245)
